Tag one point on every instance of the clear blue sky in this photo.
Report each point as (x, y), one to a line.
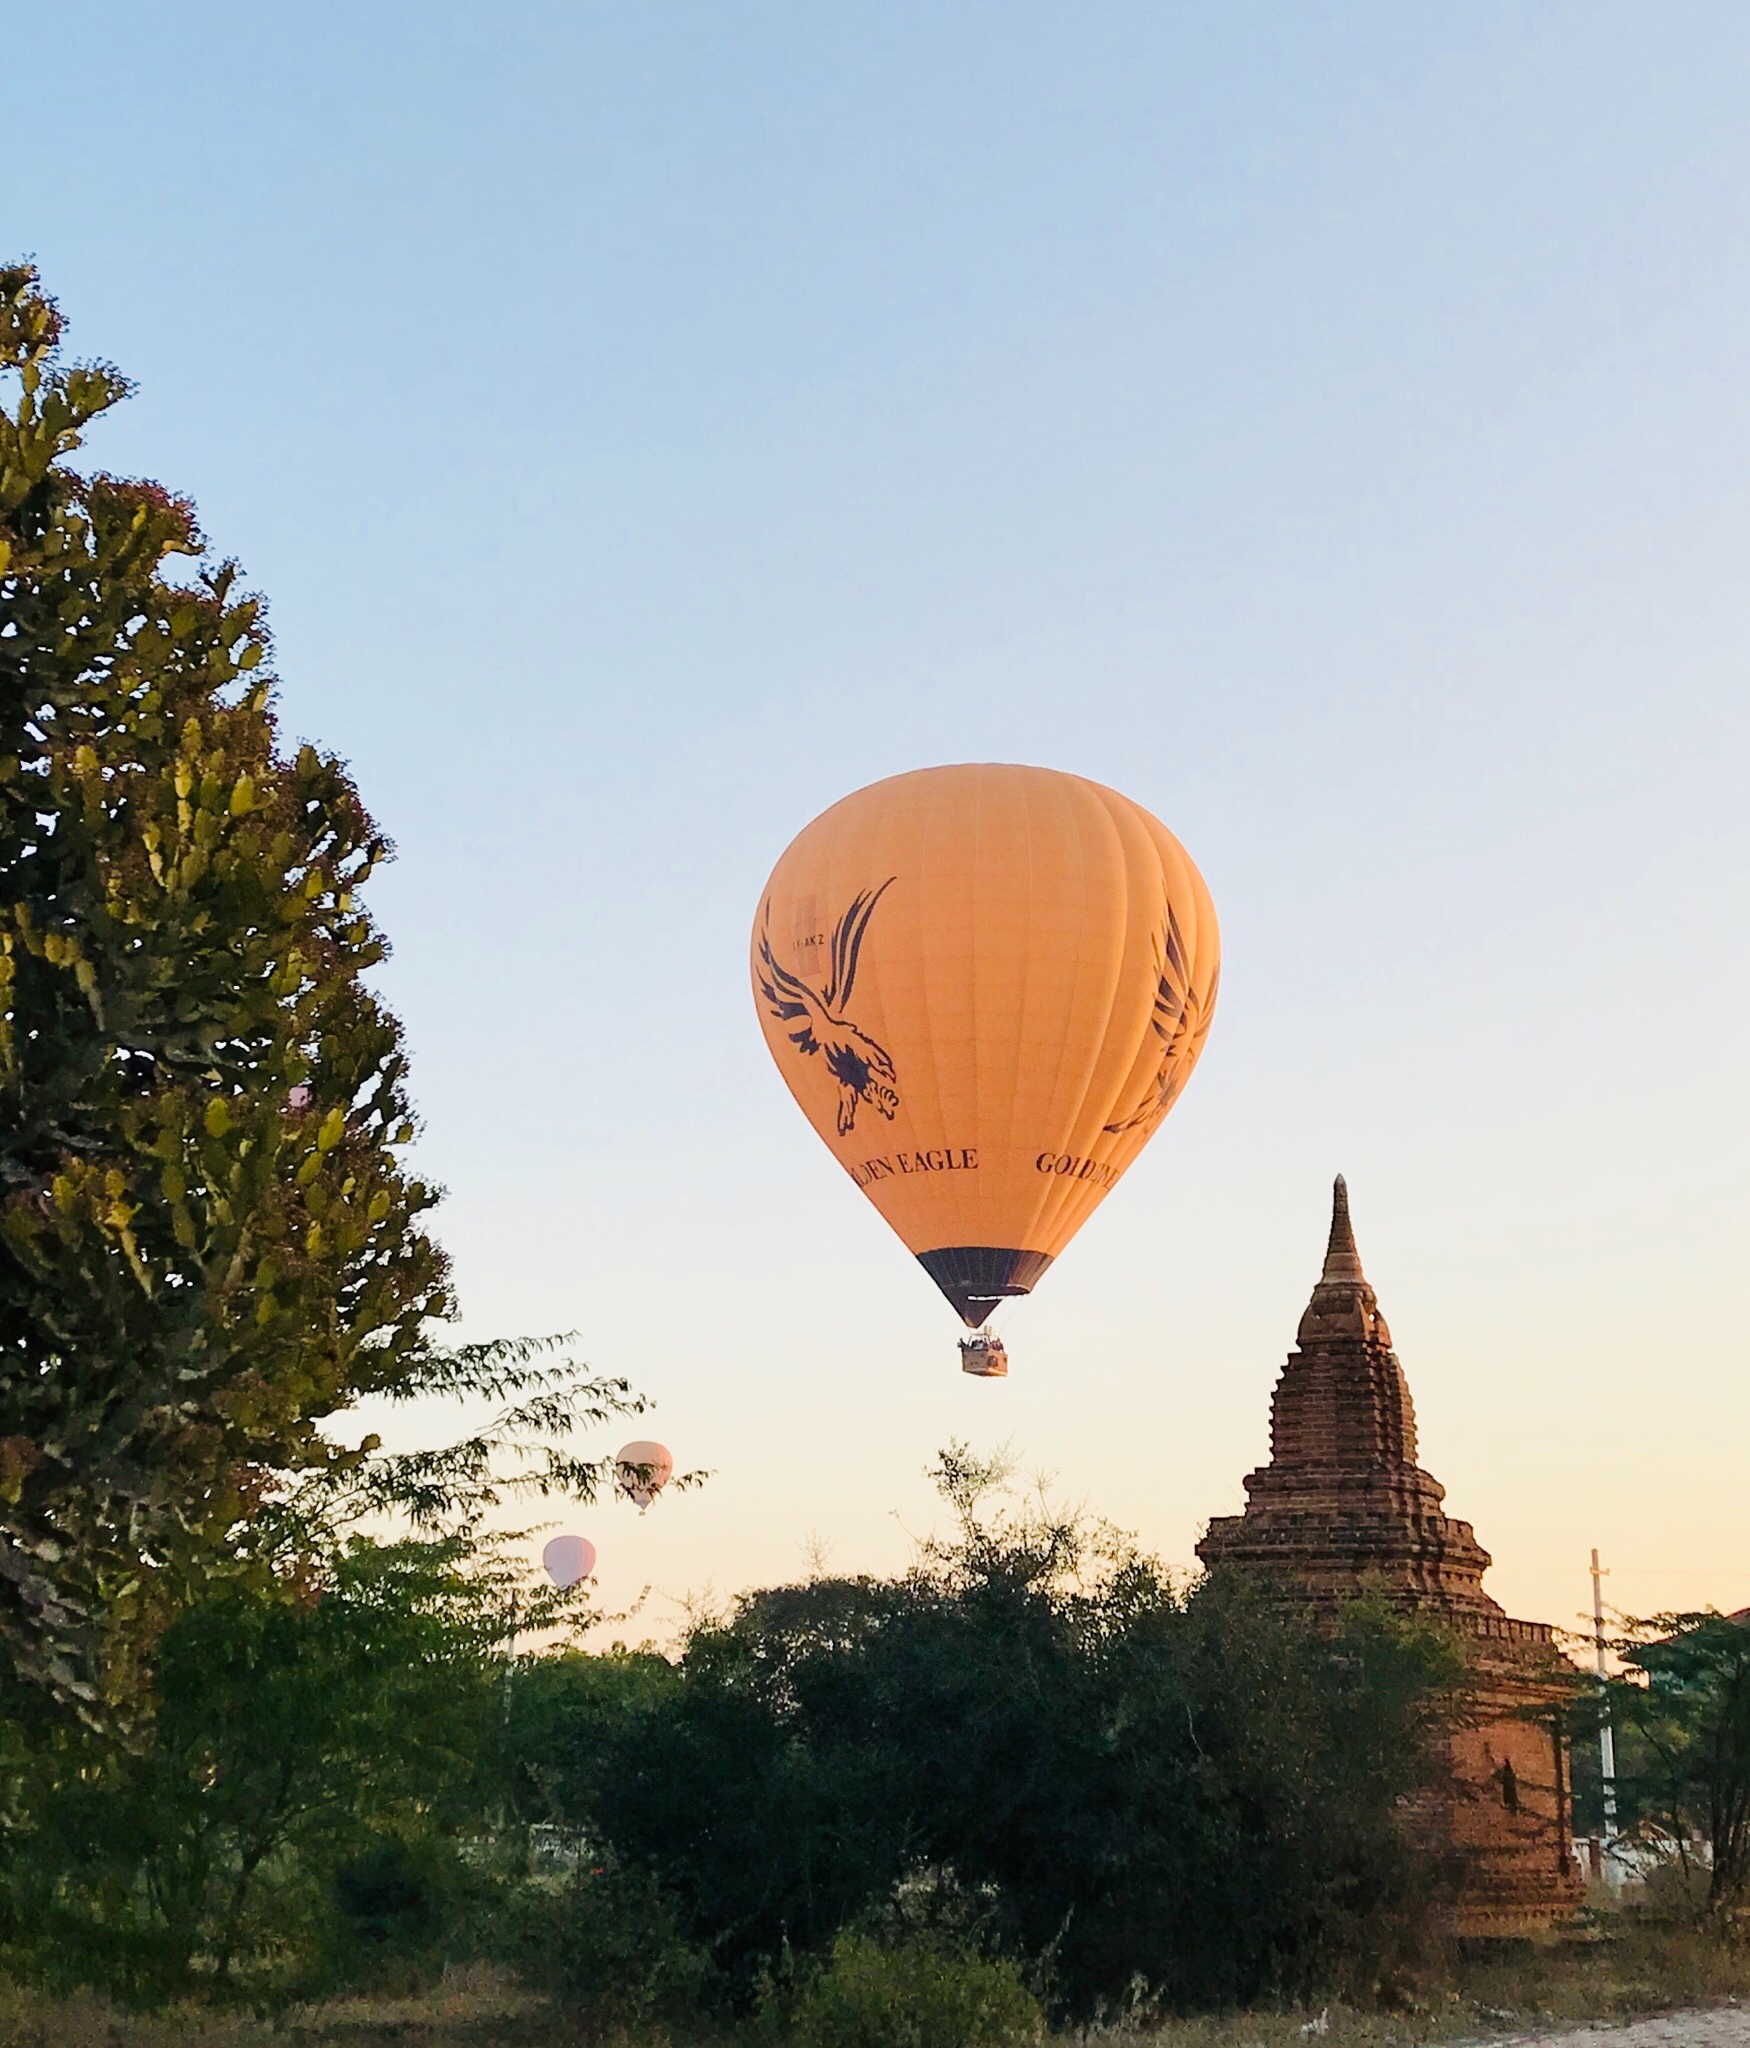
(1330, 425)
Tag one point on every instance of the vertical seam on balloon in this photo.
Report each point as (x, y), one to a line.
(869, 855)
(1060, 1199)
(1133, 1144)
(1140, 820)
(1035, 1227)
(1056, 1195)
(1123, 814)
(1200, 915)
(1026, 1230)
(1072, 1191)
(928, 1034)
(976, 1064)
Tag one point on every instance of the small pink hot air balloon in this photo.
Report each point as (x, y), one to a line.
(641, 1470)
(568, 1559)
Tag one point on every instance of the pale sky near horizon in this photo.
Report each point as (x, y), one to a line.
(1329, 425)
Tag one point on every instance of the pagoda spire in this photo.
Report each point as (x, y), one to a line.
(1343, 1510)
(1343, 1500)
(1342, 1260)
(1342, 1303)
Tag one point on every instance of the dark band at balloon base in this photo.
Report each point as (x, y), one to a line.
(975, 1277)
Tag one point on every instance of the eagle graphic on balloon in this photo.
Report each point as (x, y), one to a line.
(815, 1022)
(1181, 1022)
(1044, 1030)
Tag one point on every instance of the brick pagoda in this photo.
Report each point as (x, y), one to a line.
(1343, 1508)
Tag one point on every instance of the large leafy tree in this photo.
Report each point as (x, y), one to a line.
(208, 1241)
(1682, 1712)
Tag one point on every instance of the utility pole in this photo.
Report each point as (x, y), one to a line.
(510, 1652)
(498, 1811)
(1606, 1734)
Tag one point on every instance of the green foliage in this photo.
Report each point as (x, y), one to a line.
(541, 1399)
(316, 1795)
(1031, 1745)
(1196, 1788)
(571, 1720)
(611, 1949)
(207, 1240)
(921, 1992)
(311, 1770)
(1682, 1715)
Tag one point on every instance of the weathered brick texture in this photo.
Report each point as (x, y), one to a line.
(1342, 1508)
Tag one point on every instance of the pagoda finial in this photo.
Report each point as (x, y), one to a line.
(1342, 1260)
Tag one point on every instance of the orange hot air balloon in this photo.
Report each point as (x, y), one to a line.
(985, 986)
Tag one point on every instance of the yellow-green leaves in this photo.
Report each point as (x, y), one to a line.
(181, 1002)
(8, 1036)
(19, 1457)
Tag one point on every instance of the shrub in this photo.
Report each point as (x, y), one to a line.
(610, 1948)
(922, 1992)
(384, 1899)
(1196, 1787)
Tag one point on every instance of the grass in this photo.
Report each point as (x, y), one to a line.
(1620, 1972)
(468, 2009)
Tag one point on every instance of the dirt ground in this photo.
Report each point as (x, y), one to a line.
(1720, 2026)
(467, 2023)
(1644, 1988)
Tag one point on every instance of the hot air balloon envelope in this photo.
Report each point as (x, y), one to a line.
(986, 987)
(569, 1559)
(641, 1471)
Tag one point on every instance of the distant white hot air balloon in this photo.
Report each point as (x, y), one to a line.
(641, 1470)
(568, 1559)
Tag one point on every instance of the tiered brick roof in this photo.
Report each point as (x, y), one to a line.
(1343, 1508)
(1343, 1501)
